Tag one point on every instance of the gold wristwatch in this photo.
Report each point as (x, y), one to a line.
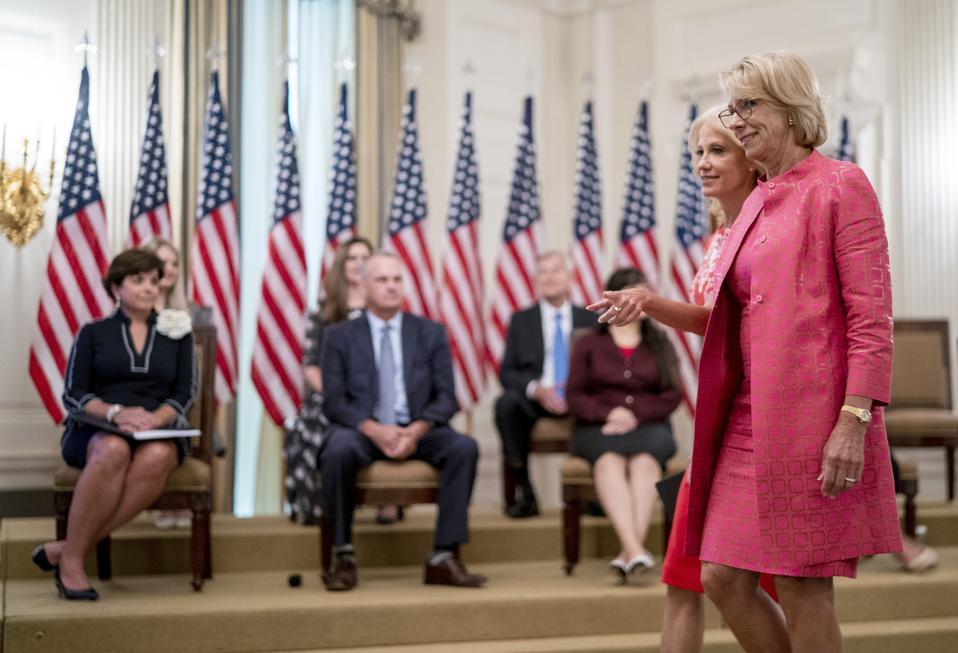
(863, 414)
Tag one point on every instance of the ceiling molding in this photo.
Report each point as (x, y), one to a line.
(574, 8)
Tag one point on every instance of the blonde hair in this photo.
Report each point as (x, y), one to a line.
(786, 82)
(710, 117)
(174, 297)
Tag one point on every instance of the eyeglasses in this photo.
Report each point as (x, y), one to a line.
(742, 108)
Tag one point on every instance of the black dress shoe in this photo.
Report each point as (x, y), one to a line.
(523, 508)
(342, 575)
(451, 571)
(40, 559)
(88, 594)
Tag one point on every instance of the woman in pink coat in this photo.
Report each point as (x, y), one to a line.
(791, 473)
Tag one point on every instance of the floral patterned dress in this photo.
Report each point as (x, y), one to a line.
(303, 435)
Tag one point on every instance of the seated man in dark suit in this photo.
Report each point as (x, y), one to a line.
(533, 372)
(389, 396)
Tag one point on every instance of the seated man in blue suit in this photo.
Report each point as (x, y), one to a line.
(389, 396)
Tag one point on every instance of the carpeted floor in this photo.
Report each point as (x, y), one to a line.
(529, 604)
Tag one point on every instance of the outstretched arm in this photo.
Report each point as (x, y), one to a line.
(626, 306)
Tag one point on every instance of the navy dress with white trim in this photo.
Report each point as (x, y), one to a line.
(105, 365)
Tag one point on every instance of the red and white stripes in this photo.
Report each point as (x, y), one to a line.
(151, 226)
(215, 282)
(514, 290)
(280, 322)
(72, 295)
(587, 255)
(419, 285)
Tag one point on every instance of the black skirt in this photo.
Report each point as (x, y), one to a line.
(653, 438)
(76, 438)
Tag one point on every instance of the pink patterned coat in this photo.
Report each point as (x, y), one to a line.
(822, 327)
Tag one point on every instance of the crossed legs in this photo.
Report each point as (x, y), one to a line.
(114, 487)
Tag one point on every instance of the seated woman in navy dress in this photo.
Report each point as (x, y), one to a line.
(623, 385)
(137, 373)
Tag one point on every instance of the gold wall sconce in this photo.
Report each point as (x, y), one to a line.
(22, 194)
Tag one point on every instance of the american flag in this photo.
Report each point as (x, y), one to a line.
(587, 247)
(214, 259)
(690, 232)
(280, 323)
(341, 220)
(516, 263)
(150, 213)
(72, 292)
(460, 297)
(407, 219)
(846, 148)
(637, 237)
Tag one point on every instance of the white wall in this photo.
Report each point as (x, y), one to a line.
(35, 98)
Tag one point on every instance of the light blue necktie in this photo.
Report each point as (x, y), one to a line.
(386, 413)
(560, 358)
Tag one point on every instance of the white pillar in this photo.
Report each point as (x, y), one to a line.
(928, 60)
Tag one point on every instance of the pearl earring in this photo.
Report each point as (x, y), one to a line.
(790, 123)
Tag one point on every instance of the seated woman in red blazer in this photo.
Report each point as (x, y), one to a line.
(623, 385)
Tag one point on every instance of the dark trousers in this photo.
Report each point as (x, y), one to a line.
(515, 415)
(346, 451)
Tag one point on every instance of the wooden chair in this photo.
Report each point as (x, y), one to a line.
(920, 412)
(549, 435)
(188, 487)
(578, 488)
(384, 483)
(908, 477)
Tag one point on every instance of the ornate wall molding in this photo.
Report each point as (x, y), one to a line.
(410, 20)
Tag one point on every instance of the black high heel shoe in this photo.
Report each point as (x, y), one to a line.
(40, 559)
(88, 594)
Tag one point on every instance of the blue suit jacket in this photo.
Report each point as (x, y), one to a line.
(351, 382)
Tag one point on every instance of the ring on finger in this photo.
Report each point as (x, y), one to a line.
(616, 308)
(850, 481)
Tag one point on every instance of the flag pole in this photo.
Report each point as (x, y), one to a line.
(156, 52)
(85, 46)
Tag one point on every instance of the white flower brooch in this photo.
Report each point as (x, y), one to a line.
(173, 324)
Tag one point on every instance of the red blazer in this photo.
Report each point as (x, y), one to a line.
(822, 327)
(601, 378)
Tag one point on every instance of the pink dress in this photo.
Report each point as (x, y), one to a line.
(679, 569)
(808, 257)
(732, 518)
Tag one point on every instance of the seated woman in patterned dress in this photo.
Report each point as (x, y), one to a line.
(622, 387)
(137, 372)
(343, 298)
